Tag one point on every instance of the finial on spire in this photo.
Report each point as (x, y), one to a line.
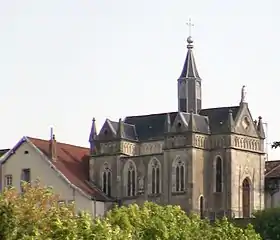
(243, 94)
(190, 24)
(190, 39)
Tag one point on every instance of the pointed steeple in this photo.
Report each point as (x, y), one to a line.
(230, 121)
(260, 128)
(93, 132)
(189, 84)
(192, 124)
(120, 132)
(167, 124)
(189, 68)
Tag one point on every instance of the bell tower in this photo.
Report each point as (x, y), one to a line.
(189, 83)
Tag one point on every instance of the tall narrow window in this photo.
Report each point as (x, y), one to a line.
(106, 180)
(201, 206)
(155, 172)
(157, 180)
(8, 180)
(131, 180)
(179, 176)
(218, 174)
(182, 178)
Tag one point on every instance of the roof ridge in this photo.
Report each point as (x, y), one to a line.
(153, 114)
(72, 145)
(219, 108)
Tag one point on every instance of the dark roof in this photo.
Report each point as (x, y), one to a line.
(201, 122)
(129, 130)
(189, 68)
(3, 151)
(272, 169)
(150, 126)
(211, 120)
(218, 116)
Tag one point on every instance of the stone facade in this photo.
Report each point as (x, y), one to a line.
(206, 160)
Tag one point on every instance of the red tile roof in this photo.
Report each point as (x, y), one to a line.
(272, 169)
(73, 162)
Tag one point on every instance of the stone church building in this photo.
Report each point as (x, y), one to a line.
(210, 161)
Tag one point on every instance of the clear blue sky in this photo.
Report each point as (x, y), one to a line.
(64, 62)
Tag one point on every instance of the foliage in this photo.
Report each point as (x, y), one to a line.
(152, 221)
(266, 222)
(275, 144)
(35, 214)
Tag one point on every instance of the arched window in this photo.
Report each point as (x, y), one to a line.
(246, 198)
(201, 207)
(154, 176)
(178, 175)
(130, 177)
(219, 174)
(106, 180)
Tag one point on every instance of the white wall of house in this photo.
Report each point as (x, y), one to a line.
(41, 169)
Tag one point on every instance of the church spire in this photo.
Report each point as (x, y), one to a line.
(92, 137)
(189, 68)
(93, 132)
(189, 83)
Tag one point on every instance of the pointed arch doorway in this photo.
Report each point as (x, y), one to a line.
(246, 197)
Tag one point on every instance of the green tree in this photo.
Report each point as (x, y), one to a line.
(266, 223)
(152, 221)
(36, 214)
(275, 144)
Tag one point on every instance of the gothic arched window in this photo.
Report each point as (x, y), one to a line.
(130, 177)
(154, 176)
(219, 174)
(106, 180)
(178, 175)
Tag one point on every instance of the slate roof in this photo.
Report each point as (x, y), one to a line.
(72, 161)
(189, 68)
(129, 130)
(218, 116)
(150, 126)
(272, 169)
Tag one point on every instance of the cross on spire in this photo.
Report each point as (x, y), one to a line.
(190, 24)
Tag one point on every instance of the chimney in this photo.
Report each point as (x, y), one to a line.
(52, 147)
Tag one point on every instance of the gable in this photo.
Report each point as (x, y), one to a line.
(27, 157)
(71, 165)
(108, 130)
(244, 123)
(180, 124)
